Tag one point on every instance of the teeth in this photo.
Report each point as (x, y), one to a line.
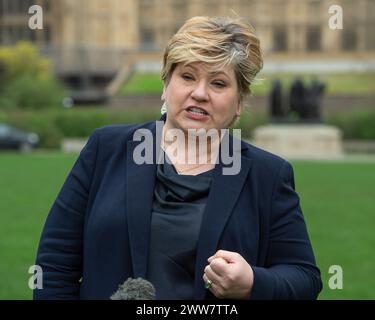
(197, 111)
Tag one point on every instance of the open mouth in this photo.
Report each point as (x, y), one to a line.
(196, 111)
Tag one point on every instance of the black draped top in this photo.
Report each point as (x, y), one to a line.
(178, 207)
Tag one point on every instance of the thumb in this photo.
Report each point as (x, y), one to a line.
(228, 256)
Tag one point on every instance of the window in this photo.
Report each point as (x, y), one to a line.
(147, 39)
(280, 39)
(313, 39)
(47, 34)
(370, 39)
(15, 6)
(46, 6)
(12, 7)
(349, 38)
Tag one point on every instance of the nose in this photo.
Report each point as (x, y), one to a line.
(199, 92)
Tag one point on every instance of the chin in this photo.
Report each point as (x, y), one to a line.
(191, 124)
(195, 127)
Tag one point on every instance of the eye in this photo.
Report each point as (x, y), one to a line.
(187, 76)
(219, 84)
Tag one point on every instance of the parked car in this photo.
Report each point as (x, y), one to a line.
(12, 138)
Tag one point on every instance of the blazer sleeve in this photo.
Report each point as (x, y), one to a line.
(60, 247)
(290, 271)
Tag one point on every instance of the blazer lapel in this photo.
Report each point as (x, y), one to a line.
(140, 191)
(223, 195)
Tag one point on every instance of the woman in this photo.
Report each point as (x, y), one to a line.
(192, 230)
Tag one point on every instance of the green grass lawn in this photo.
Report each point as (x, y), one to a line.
(355, 84)
(142, 83)
(338, 202)
(337, 199)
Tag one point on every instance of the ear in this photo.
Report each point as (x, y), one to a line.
(238, 108)
(163, 94)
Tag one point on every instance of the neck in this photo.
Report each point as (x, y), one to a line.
(192, 147)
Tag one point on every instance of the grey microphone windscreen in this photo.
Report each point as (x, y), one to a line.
(135, 289)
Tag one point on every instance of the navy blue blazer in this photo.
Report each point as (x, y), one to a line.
(97, 232)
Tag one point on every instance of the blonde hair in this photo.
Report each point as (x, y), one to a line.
(219, 42)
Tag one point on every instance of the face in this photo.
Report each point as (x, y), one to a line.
(199, 98)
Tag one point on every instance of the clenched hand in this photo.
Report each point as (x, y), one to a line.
(231, 276)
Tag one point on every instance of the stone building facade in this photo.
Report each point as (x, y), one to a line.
(99, 37)
(284, 26)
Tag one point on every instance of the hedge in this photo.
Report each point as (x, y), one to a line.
(357, 125)
(54, 125)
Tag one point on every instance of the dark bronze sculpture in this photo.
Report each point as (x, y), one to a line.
(304, 104)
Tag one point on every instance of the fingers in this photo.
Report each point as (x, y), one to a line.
(215, 270)
(215, 286)
(230, 274)
(229, 256)
(212, 285)
(218, 266)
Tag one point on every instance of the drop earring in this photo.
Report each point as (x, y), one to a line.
(163, 108)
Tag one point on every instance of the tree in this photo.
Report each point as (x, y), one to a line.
(26, 80)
